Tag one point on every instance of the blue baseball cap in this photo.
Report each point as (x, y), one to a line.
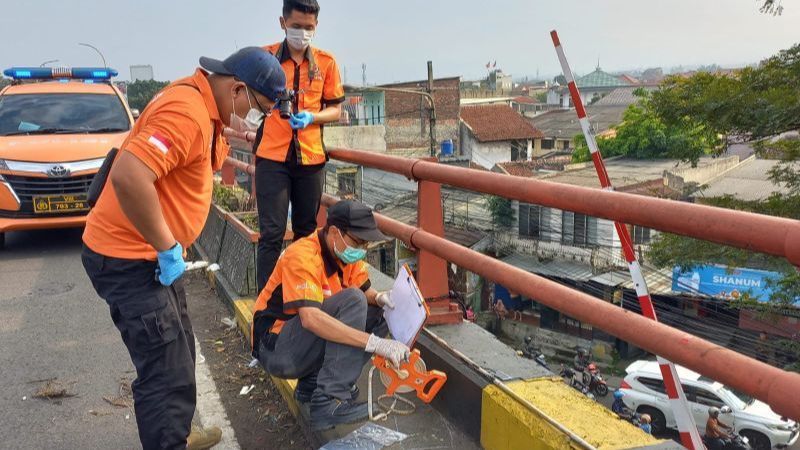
(258, 68)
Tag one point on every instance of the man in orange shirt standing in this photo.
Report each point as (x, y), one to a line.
(155, 207)
(290, 154)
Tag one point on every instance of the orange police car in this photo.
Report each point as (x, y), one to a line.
(56, 127)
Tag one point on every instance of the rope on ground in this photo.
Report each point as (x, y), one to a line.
(392, 408)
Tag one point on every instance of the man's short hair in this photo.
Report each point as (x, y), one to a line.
(304, 6)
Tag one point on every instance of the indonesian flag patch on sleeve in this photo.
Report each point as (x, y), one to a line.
(160, 142)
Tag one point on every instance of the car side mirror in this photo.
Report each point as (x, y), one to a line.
(135, 113)
(725, 410)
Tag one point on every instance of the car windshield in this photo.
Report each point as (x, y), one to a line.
(742, 400)
(62, 113)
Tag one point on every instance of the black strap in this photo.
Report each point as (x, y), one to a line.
(98, 183)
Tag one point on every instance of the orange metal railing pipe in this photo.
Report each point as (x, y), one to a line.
(773, 235)
(771, 385)
(241, 165)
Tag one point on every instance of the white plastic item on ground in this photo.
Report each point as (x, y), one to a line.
(228, 322)
(213, 267)
(247, 389)
(368, 437)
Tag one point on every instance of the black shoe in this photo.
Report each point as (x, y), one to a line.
(327, 412)
(304, 396)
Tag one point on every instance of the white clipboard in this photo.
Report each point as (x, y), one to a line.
(410, 311)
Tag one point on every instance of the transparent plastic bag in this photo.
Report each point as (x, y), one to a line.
(369, 437)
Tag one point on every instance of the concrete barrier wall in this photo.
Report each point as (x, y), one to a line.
(368, 137)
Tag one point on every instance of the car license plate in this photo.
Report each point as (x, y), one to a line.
(60, 203)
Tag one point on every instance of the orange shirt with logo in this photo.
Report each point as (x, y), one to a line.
(306, 274)
(174, 137)
(318, 84)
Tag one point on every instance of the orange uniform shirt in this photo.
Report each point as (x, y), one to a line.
(174, 137)
(318, 84)
(306, 274)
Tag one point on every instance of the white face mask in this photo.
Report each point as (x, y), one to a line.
(250, 123)
(298, 38)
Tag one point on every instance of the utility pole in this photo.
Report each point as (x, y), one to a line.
(432, 116)
(363, 75)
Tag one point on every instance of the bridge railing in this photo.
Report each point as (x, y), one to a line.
(771, 235)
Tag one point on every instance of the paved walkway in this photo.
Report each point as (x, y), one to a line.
(54, 327)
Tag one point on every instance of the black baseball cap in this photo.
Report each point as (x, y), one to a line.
(258, 68)
(355, 218)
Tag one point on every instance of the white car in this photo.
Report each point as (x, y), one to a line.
(645, 393)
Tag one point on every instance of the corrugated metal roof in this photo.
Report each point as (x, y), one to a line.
(628, 171)
(563, 123)
(555, 268)
(658, 281)
(749, 181)
(622, 96)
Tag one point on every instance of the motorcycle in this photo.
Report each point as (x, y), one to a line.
(734, 442)
(573, 381)
(596, 382)
(581, 362)
(534, 353)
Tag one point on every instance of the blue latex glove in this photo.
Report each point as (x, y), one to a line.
(170, 265)
(301, 120)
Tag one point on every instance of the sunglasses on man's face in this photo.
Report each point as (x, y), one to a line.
(355, 242)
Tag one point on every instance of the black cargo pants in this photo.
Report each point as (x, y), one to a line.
(154, 324)
(278, 184)
(331, 368)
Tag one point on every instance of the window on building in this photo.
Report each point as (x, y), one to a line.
(641, 235)
(548, 144)
(519, 151)
(578, 229)
(530, 220)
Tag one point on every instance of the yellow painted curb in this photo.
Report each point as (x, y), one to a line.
(506, 424)
(243, 308)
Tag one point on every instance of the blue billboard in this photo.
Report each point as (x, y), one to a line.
(724, 282)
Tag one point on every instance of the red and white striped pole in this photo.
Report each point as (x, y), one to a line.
(690, 436)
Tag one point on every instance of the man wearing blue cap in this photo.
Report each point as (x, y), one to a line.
(155, 207)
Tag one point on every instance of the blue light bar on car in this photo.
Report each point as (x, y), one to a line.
(55, 73)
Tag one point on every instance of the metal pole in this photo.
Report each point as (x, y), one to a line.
(687, 429)
(432, 110)
(97, 50)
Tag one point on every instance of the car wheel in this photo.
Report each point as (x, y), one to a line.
(657, 420)
(758, 441)
(2, 241)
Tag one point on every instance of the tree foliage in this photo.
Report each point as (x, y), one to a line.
(644, 134)
(774, 7)
(756, 104)
(142, 91)
(502, 213)
(4, 82)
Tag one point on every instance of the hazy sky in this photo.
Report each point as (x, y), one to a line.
(396, 38)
